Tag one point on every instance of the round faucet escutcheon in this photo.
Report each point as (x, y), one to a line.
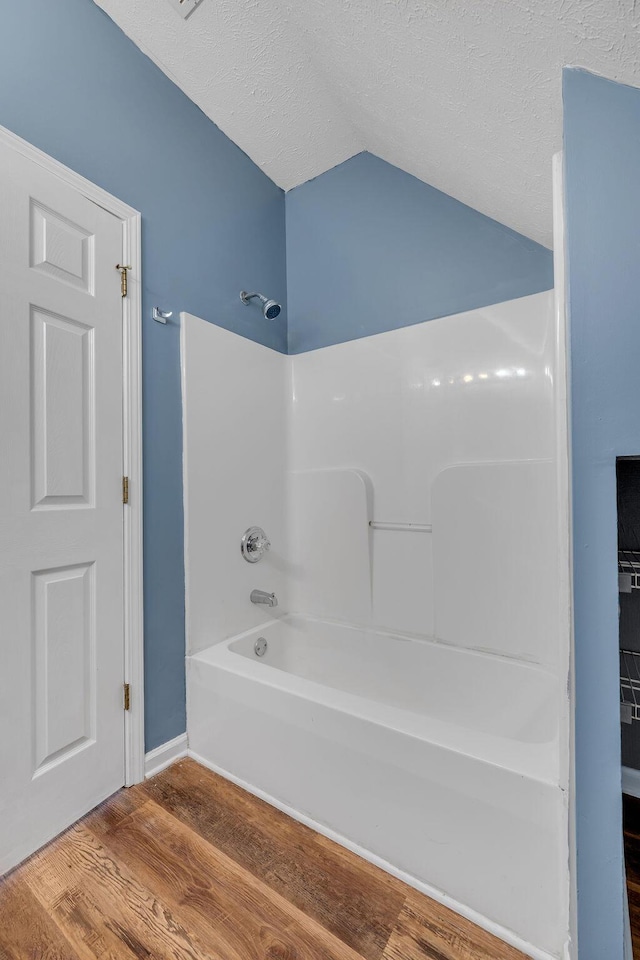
(254, 544)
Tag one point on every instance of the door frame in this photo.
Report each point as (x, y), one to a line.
(132, 441)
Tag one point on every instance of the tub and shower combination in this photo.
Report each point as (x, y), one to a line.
(413, 708)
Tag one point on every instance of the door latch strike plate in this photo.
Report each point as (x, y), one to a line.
(127, 696)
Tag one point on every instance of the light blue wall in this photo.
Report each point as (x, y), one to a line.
(73, 85)
(370, 248)
(602, 158)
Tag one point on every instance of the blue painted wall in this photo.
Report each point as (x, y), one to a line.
(602, 159)
(370, 248)
(72, 84)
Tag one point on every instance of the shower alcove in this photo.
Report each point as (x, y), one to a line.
(410, 700)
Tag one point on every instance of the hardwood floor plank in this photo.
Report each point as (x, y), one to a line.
(26, 932)
(631, 815)
(89, 929)
(426, 930)
(632, 861)
(127, 910)
(212, 895)
(633, 893)
(353, 899)
(631, 820)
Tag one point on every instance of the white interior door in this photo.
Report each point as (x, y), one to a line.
(61, 511)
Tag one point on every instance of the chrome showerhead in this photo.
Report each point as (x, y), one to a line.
(270, 308)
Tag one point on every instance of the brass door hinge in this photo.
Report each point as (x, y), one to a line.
(127, 696)
(124, 286)
(125, 489)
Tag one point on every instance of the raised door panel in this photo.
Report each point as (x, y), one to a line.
(64, 661)
(62, 374)
(62, 249)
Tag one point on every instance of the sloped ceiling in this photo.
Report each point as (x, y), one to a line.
(464, 94)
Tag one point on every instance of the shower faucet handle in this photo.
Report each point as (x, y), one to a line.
(259, 543)
(254, 544)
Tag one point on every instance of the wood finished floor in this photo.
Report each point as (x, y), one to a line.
(188, 866)
(631, 809)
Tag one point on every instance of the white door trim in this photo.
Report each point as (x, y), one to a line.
(132, 453)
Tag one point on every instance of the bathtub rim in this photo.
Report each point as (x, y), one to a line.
(543, 764)
(288, 616)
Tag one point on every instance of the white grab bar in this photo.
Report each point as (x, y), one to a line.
(407, 527)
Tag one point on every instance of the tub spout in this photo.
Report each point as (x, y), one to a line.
(260, 596)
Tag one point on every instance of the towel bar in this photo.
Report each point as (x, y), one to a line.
(407, 527)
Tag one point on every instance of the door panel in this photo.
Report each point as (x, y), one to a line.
(62, 391)
(62, 249)
(64, 662)
(61, 512)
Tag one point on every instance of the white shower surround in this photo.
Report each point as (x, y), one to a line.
(451, 423)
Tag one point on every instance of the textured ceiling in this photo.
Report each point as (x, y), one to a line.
(464, 94)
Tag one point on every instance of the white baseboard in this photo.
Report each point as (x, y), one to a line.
(485, 924)
(631, 782)
(164, 755)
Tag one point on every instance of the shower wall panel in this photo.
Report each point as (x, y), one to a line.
(235, 400)
(453, 422)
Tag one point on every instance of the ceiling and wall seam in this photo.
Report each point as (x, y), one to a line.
(465, 96)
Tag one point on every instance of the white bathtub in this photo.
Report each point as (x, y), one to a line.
(440, 763)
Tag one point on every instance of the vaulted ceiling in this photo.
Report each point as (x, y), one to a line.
(464, 94)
